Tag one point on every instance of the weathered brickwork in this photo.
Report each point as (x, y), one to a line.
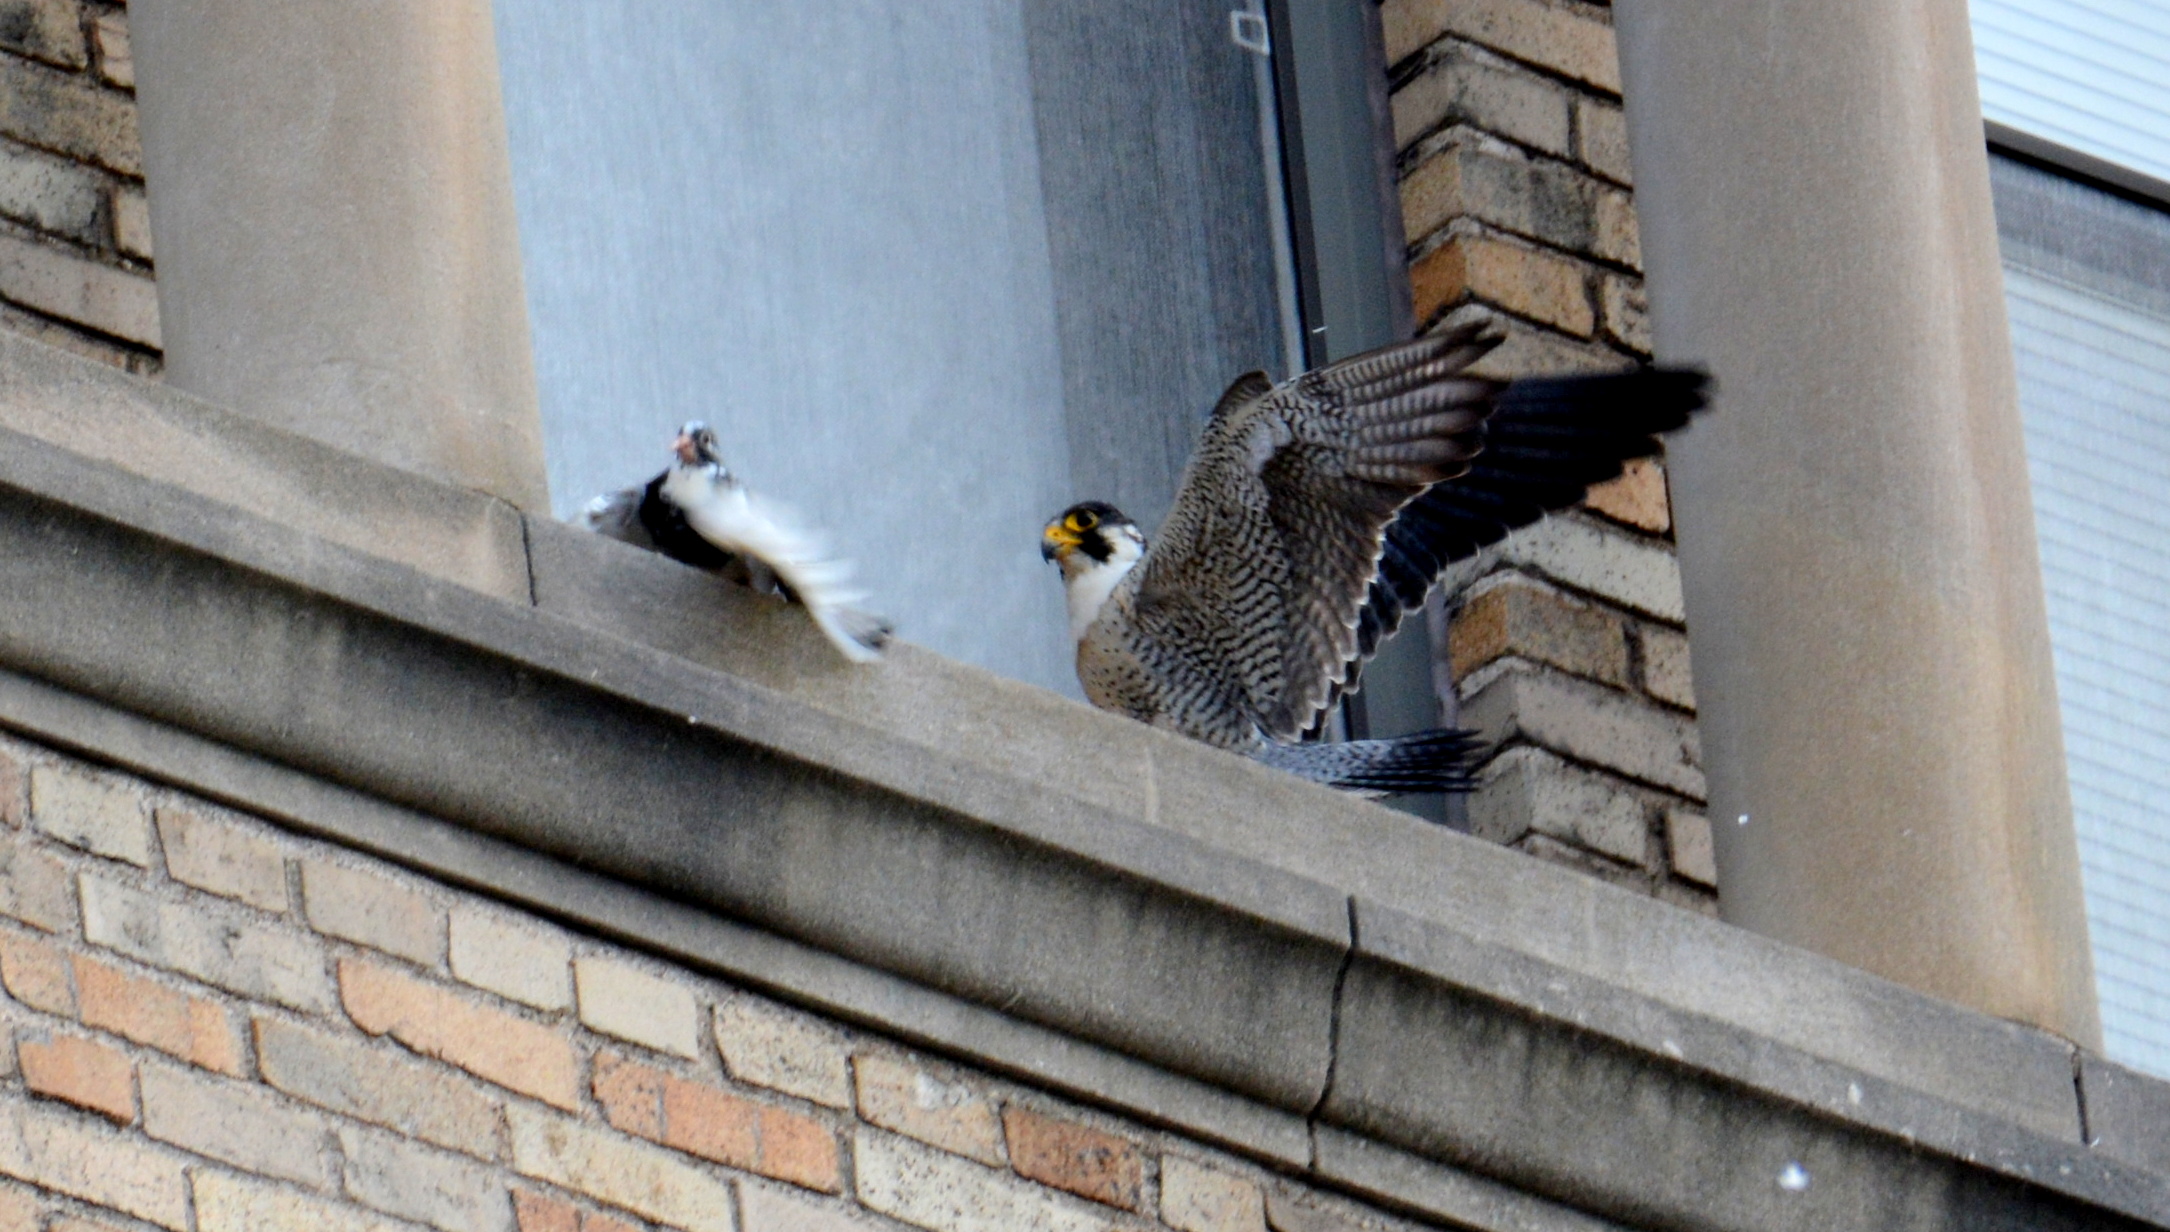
(211, 1025)
(1567, 642)
(75, 234)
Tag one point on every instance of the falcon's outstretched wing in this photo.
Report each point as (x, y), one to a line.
(1317, 513)
(1548, 442)
(1267, 558)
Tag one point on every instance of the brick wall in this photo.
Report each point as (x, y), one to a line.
(75, 237)
(1566, 641)
(212, 1025)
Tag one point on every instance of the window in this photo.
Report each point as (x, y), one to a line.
(933, 271)
(2087, 281)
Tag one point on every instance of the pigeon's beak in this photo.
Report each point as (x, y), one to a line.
(1057, 541)
(687, 451)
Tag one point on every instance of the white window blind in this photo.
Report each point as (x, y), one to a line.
(2091, 334)
(2091, 75)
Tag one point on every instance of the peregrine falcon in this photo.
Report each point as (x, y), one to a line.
(1312, 517)
(698, 513)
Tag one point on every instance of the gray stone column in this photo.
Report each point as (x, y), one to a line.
(332, 207)
(1872, 658)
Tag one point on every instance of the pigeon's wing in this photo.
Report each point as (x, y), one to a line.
(617, 515)
(728, 516)
(1547, 442)
(1265, 563)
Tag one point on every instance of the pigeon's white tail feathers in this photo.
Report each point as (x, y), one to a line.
(727, 515)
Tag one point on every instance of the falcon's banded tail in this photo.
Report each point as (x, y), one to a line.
(1442, 759)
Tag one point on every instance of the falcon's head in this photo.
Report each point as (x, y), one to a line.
(696, 446)
(1095, 545)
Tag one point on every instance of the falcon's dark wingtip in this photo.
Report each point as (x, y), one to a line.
(1441, 760)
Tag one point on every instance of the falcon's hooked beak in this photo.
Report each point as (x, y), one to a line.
(1057, 540)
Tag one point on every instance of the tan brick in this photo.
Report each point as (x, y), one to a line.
(1520, 279)
(764, 1209)
(398, 1177)
(236, 1123)
(1532, 348)
(223, 858)
(1694, 855)
(71, 1154)
(622, 1000)
(1666, 675)
(374, 911)
(1567, 38)
(229, 1203)
(1589, 556)
(1519, 617)
(647, 1180)
(36, 973)
(931, 1189)
(64, 112)
(194, 1029)
(69, 1223)
(1601, 140)
(61, 283)
(132, 222)
(1194, 1198)
(1591, 724)
(1687, 897)
(1588, 863)
(1619, 237)
(1293, 1214)
(595, 1221)
(770, 1046)
(77, 342)
(34, 887)
(1637, 497)
(380, 1086)
(92, 811)
(116, 60)
(19, 1211)
(715, 1124)
(915, 1103)
(1527, 789)
(81, 1071)
(255, 960)
(535, 1212)
(51, 194)
(14, 790)
(512, 1052)
(1076, 1158)
(512, 958)
(49, 30)
(1627, 311)
(1465, 85)
(1476, 177)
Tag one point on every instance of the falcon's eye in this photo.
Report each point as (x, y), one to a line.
(1083, 520)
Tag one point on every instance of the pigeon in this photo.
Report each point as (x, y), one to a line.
(699, 514)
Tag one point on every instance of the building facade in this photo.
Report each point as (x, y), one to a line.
(383, 854)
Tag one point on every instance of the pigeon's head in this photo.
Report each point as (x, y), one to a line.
(696, 446)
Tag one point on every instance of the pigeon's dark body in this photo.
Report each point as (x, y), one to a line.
(1312, 518)
(669, 533)
(697, 514)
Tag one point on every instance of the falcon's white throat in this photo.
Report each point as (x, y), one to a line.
(1087, 583)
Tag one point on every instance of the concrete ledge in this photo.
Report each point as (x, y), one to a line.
(1025, 882)
(163, 434)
